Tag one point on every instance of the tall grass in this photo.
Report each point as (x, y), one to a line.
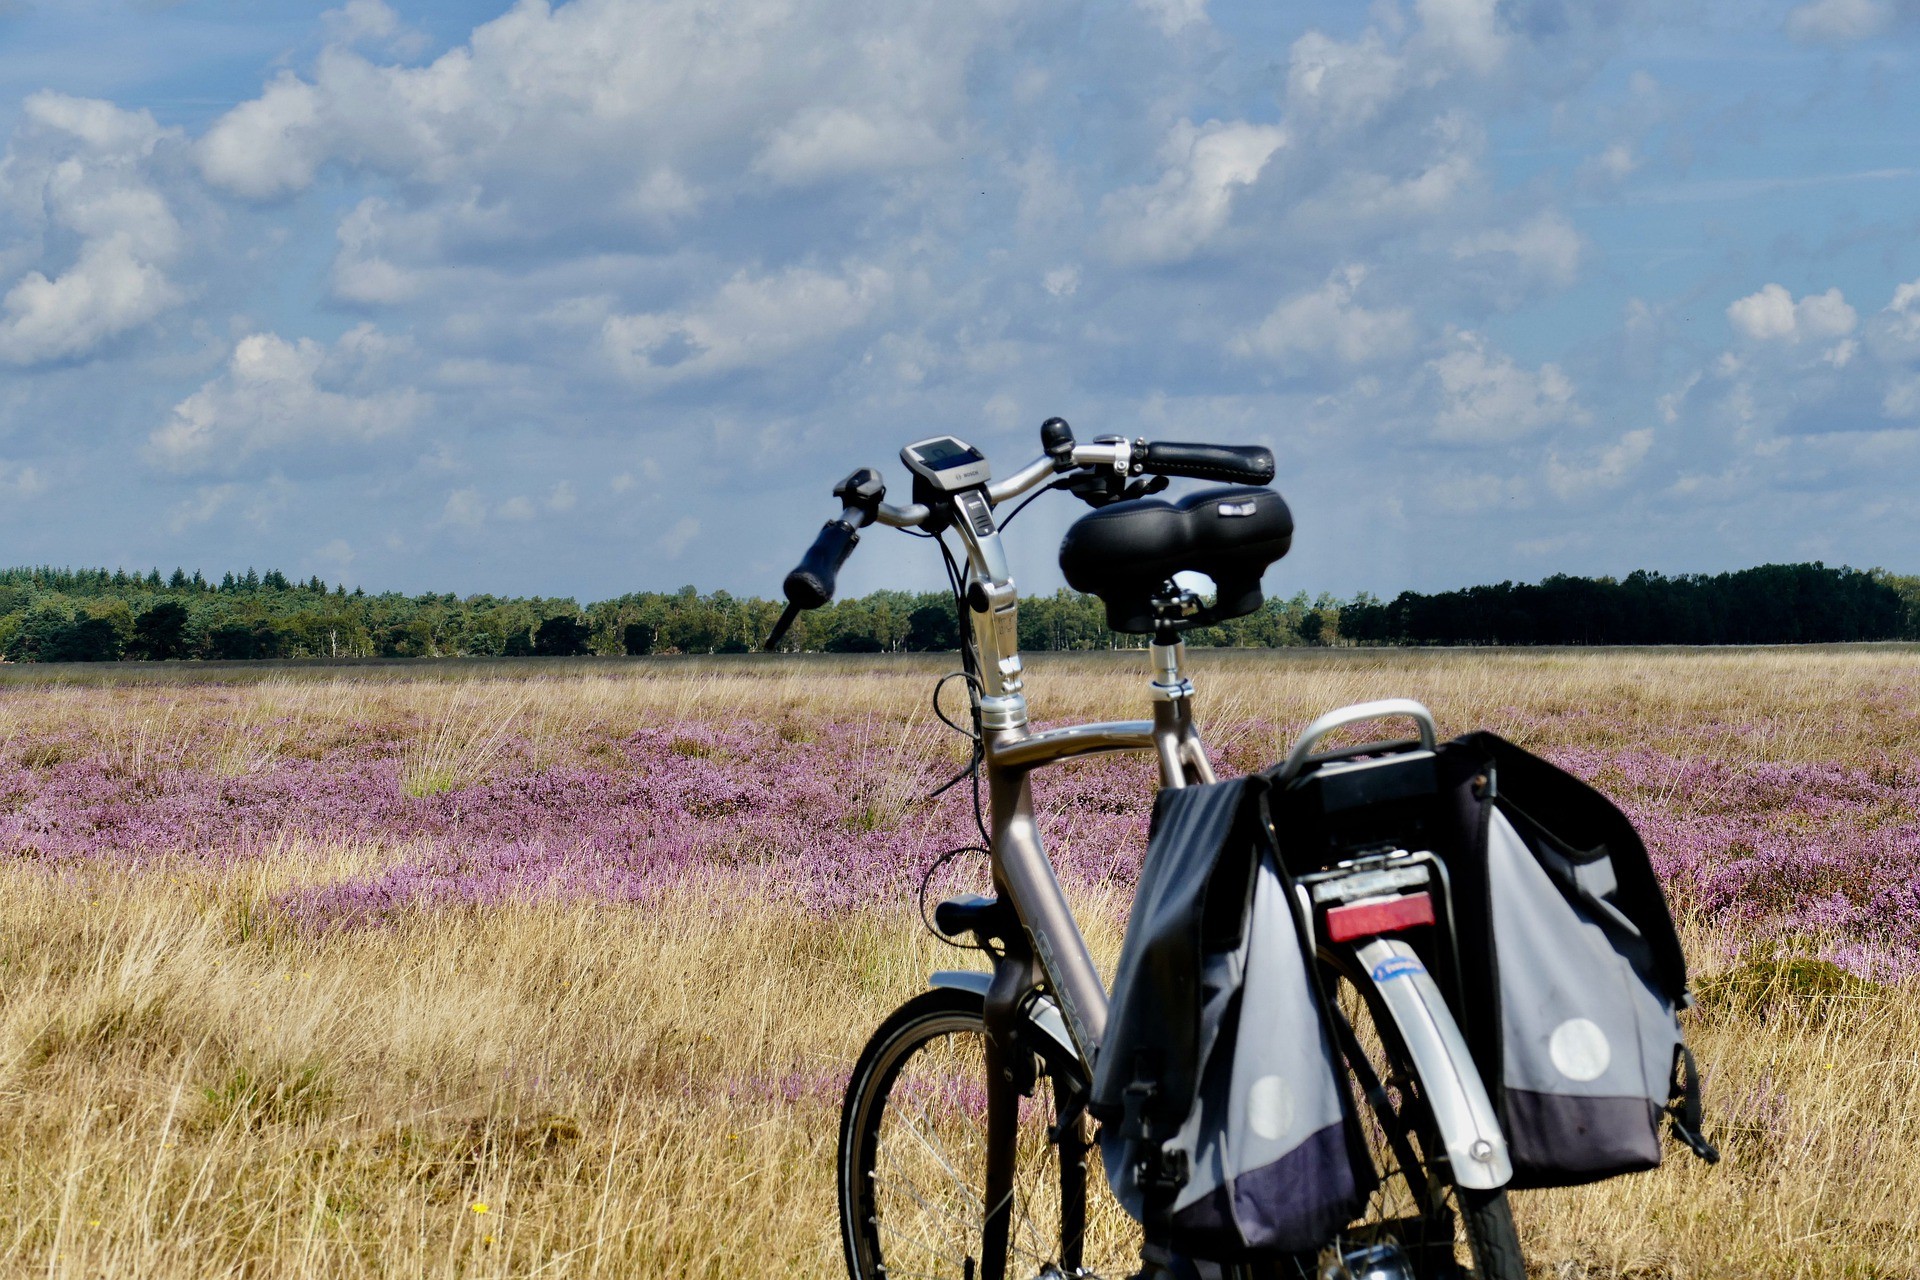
(196, 1080)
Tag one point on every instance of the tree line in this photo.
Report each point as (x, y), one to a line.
(97, 615)
(1771, 604)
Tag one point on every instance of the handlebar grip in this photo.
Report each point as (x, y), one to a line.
(1240, 464)
(811, 583)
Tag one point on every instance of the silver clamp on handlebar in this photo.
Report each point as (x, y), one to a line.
(1355, 714)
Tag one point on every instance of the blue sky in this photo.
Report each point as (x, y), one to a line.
(601, 296)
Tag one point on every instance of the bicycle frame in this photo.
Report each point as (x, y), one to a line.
(1052, 955)
(1049, 954)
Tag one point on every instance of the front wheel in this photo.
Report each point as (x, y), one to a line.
(912, 1169)
(913, 1151)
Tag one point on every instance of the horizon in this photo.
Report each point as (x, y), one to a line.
(600, 297)
(213, 583)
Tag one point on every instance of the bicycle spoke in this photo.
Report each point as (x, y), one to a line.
(940, 1158)
(924, 1210)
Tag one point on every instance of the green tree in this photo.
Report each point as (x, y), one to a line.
(160, 633)
(561, 636)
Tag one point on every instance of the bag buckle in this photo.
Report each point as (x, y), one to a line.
(1134, 1102)
(1695, 1141)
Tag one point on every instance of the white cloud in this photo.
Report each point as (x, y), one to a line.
(1418, 195)
(1343, 85)
(1772, 315)
(1174, 16)
(599, 90)
(208, 501)
(1902, 397)
(108, 291)
(1467, 32)
(1669, 404)
(1545, 249)
(1346, 85)
(1611, 166)
(1894, 331)
(77, 171)
(751, 321)
(465, 509)
(1486, 397)
(278, 396)
(361, 20)
(794, 224)
(1328, 324)
(832, 142)
(1175, 217)
(1840, 21)
(269, 147)
(17, 481)
(335, 558)
(362, 271)
(678, 538)
(1606, 469)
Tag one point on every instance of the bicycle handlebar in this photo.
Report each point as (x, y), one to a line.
(1239, 464)
(812, 581)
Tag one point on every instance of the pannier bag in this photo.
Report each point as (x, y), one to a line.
(1227, 1127)
(1571, 971)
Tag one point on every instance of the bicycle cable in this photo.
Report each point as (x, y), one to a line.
(926, 882)
(1029, 499)
(970, 668)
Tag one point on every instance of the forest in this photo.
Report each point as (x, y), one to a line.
(98, 615)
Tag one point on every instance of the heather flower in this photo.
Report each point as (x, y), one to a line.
(1822, 857)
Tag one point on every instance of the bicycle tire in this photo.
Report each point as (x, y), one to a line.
(891, 1144)
(1111, 1240)
(1476, 1224)
(1112, 1249)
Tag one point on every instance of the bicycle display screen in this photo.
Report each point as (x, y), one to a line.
(946, 463)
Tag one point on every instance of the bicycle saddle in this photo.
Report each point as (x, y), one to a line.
(1126, 552)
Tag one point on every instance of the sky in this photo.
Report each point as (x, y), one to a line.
(601, 296)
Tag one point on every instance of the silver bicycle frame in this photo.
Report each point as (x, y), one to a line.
(1047, 977)
(1022, 873)
(1048, 972)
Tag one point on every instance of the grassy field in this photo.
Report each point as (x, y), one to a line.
(542, 969)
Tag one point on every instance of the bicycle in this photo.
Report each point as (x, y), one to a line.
(964, 1135)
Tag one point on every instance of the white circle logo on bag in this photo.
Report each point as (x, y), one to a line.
(1270, 1108)
(1579, 1049)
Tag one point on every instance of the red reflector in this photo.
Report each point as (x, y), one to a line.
(1388, 915)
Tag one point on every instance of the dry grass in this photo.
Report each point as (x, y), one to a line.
(188, 1088)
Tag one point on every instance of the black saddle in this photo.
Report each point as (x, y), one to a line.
(1126, 553)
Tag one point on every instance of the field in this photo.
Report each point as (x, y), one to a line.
(558, 970)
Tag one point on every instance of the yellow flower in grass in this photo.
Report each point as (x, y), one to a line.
(480, 1206)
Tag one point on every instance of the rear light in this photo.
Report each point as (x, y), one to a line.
(1382, 915)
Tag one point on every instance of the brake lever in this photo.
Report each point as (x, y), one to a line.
(781, 628)
(1102, 487)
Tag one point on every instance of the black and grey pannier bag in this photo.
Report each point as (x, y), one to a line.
(1571, 971)
(1226, 1124)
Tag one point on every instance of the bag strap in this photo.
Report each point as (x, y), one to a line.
(1683, 1106)
(1357, 1153)
(1159, 1174)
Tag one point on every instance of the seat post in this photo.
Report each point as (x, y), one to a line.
(1169, 652)
(1176, 740)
